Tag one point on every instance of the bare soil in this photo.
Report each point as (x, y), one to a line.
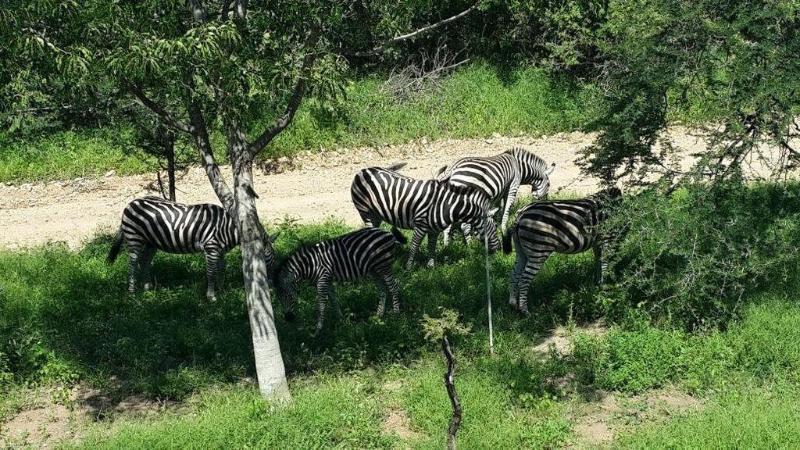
(310, 187)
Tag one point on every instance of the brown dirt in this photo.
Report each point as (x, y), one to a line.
(597, 423)
(47, 423)
(397, 422)
(310, 187)
(561, 338)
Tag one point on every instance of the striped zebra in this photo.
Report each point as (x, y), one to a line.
(500, 176)
(152, 223)
(563, 226)
(425, 206)
(355, 255)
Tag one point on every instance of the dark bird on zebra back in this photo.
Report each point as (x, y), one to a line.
(425, 206)
(153, 223)
(368, 252)
(563, 226)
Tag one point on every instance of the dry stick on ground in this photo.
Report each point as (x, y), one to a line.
(438, 330)
(449, 379)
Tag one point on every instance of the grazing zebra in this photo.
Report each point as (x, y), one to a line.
(152, 223)
(366, 252)
(425, 206)
(499, 176)
(564, 226)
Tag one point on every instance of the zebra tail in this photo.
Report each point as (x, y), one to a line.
(507, 240)
(396, 166)
(398, 236)
(115, 248)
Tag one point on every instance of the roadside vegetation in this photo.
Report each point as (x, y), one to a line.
(65, 320)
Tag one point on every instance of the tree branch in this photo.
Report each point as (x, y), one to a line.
(381, 47)
(203, 144)
(291, 108)
(165, 116)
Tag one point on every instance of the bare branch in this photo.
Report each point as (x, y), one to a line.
(291, 108)
(203, 144)
(165, 116)
(241, 10)
(381, 47)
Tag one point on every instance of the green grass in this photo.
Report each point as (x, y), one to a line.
(476, 101)
(65, 318)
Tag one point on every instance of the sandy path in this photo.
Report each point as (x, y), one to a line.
(315, 189)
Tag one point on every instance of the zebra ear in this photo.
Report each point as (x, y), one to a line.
(552, 168)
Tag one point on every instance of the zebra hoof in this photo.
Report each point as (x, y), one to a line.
(431, 264)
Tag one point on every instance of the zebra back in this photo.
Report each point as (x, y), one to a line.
(566, 226)
(177, 228)
(492, 175)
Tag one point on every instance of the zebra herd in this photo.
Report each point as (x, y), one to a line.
(462, 194)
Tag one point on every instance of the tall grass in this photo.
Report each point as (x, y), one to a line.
(65, 318)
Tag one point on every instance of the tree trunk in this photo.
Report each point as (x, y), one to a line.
(268, 359)
(169, 151)
(449, 382)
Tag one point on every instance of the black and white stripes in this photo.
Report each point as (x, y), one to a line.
(152, 223)
(366, 252)
(500, 176)
(563, 226)
(425, 206)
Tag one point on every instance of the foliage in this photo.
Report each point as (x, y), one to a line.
(447, 324)
(692, 259)
(658, 54)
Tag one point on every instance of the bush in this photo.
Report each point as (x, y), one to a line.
(692, 258)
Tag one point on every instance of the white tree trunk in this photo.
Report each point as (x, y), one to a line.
(268, 359)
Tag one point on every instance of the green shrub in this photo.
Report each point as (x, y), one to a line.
(693, 258)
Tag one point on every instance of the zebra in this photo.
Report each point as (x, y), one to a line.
(425, 206)
(564, 226)
(365, 252)
(152, 223)
(499, 176)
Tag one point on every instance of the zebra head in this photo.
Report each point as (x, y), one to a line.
(286, 283)
(541, 187)
(487, 225)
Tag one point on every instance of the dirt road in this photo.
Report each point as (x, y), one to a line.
(316, 187)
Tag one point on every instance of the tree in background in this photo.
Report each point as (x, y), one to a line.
(239, 66)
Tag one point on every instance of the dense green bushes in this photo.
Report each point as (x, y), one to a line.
(690, 260)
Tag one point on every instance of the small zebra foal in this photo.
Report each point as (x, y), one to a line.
(425, 206)
(152, 223)
(563, 226)
(355, 255)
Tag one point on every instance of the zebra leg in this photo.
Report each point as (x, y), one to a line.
(145, 265)
(335, 303)
(512, 195)
(600, 263)
(446, 236)
(416, 240)
(519, 266)
(133, 267)
(212, 263)
(466, 230)
(432, 237)
(323, 290)
(532, 267)
(221, 271)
